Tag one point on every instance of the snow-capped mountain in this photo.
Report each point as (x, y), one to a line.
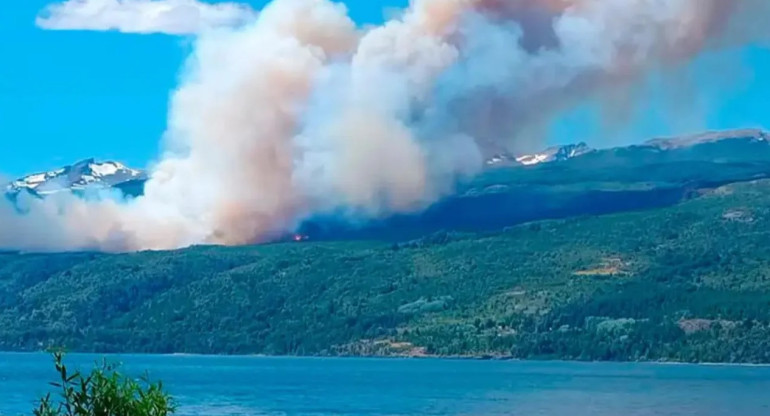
(555, 154)
(722, 146)
(80, 176)
(734, 143)
(551, 154)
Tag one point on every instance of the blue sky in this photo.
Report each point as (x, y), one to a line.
(720, 90)
(68, 95)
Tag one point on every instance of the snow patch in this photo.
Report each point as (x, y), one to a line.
(105, 169)
(529, 160)
(35, 179)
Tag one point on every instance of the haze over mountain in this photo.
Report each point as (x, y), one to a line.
(658, 173)
(90, 173)
(562, 181)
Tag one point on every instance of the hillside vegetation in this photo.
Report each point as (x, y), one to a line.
(597, 183)
(689, 282)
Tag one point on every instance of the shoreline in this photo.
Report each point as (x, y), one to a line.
(396, 357)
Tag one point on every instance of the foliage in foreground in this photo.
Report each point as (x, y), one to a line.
(103, 392)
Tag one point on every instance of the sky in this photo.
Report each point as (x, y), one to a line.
(70, 95)
(66, 95)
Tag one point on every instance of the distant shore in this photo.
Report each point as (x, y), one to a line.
(402, 357)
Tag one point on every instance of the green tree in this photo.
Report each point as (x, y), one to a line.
(104, 392)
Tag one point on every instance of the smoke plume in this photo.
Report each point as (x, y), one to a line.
(301, 112)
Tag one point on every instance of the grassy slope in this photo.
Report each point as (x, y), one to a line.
(689, 283)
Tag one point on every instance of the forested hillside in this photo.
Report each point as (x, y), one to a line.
(657, 174)
(688, 283)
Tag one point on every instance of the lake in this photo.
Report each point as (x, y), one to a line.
(214, 386)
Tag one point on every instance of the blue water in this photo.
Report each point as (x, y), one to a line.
(216, 386)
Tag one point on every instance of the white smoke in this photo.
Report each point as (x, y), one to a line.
(302, 113)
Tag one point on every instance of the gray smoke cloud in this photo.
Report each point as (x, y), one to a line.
(301, 112)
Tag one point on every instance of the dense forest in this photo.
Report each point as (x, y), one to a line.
(690, 282)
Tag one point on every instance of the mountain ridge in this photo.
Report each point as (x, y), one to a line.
(82, 175)
(106, 174)
(576, 181)
(708, 137)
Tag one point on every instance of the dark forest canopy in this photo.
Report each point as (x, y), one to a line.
(686, 283)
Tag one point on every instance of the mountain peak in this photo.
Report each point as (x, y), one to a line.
(84, 174)
(551, 154)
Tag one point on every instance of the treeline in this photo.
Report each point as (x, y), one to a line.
(685, 283)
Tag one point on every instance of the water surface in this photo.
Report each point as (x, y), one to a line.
(214, 386)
